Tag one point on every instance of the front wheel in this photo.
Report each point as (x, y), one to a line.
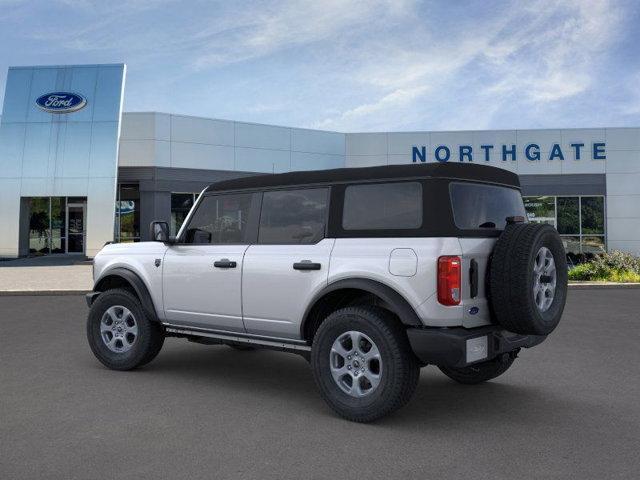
(363, 364)
(120, 333)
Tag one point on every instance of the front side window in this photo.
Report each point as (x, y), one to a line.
(181, 204)
(219, 219)
(477, 206)
(383, 206)
(293, 216)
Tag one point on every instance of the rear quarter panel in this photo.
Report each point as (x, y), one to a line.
(370, 258)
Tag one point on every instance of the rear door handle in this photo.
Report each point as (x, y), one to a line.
(306, 265)
(224, 263)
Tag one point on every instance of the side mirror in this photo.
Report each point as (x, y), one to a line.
(159, 231)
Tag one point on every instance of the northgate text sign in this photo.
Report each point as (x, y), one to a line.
(531, 152)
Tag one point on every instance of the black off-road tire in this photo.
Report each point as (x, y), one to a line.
(511, 279)
(480, 372)
(399, 373)
(149, 340)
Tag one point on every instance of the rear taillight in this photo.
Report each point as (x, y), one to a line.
(449, 281)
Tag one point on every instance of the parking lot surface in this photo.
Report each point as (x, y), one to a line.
(569, 408)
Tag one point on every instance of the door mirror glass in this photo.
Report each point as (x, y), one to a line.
(159, 231)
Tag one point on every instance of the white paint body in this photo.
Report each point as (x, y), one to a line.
(265, 296)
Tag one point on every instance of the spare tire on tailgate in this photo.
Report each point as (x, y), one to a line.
(528, 278)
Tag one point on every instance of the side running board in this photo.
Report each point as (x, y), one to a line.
(298, 346)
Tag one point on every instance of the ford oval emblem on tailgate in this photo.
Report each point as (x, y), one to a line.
(473, 310)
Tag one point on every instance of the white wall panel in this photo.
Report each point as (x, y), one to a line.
(623, 206)
(623, 183)
(138, 153)
(356, 161)
(400, 143)
(201, 130)
(262, 136)
(623, 161)
(313, 141)
(623, 229)
(198, 155)
(366, 144)
(262, 160)
(315, 161)
(139, 126)
(623, 138)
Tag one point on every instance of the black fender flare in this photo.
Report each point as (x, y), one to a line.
(396, 302)
(138, 285)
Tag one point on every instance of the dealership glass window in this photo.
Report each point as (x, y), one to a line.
(220, 219)
(382, 206)
(568, 215)
(127, 226)
(293, 216)
(592, 215)
(50, 225)
(541, 209)
(181, 203)
(580, 220)
(39, 225)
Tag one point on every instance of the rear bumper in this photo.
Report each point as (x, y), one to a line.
(459, 347)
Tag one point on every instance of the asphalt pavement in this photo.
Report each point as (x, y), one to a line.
(570, 408)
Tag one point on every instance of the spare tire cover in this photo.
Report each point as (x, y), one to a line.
(528, 279)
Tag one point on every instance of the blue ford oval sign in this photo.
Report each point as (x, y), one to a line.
(61, 102)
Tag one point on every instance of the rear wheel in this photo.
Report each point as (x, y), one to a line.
(480, 372)
(120, 333)
(363, 364)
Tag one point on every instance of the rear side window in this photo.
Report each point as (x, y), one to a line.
(293, 216)
(477, 206)
(383, 206)
(220, 219)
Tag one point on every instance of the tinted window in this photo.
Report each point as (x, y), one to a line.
(383, 206)
(293, 216)
(478, 206)
(220, 219)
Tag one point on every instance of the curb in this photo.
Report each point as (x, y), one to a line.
(41, 293)
(601, 285)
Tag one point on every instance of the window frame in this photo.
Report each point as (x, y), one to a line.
(325, 233)
(251, 230)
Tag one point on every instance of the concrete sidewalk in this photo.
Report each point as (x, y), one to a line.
(42, 276)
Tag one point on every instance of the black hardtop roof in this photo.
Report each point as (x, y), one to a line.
(461, 171)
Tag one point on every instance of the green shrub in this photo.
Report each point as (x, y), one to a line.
(614, 266)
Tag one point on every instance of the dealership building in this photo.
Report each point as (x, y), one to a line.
(76, 171)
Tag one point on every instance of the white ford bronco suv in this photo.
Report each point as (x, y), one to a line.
(369, 273)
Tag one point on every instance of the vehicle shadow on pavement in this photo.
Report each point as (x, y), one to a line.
(438, 401)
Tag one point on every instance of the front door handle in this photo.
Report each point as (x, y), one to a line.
(306, 265)
(224, 263)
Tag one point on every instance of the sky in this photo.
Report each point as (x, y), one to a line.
(351, 66)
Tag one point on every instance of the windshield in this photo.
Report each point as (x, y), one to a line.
(477, 206)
